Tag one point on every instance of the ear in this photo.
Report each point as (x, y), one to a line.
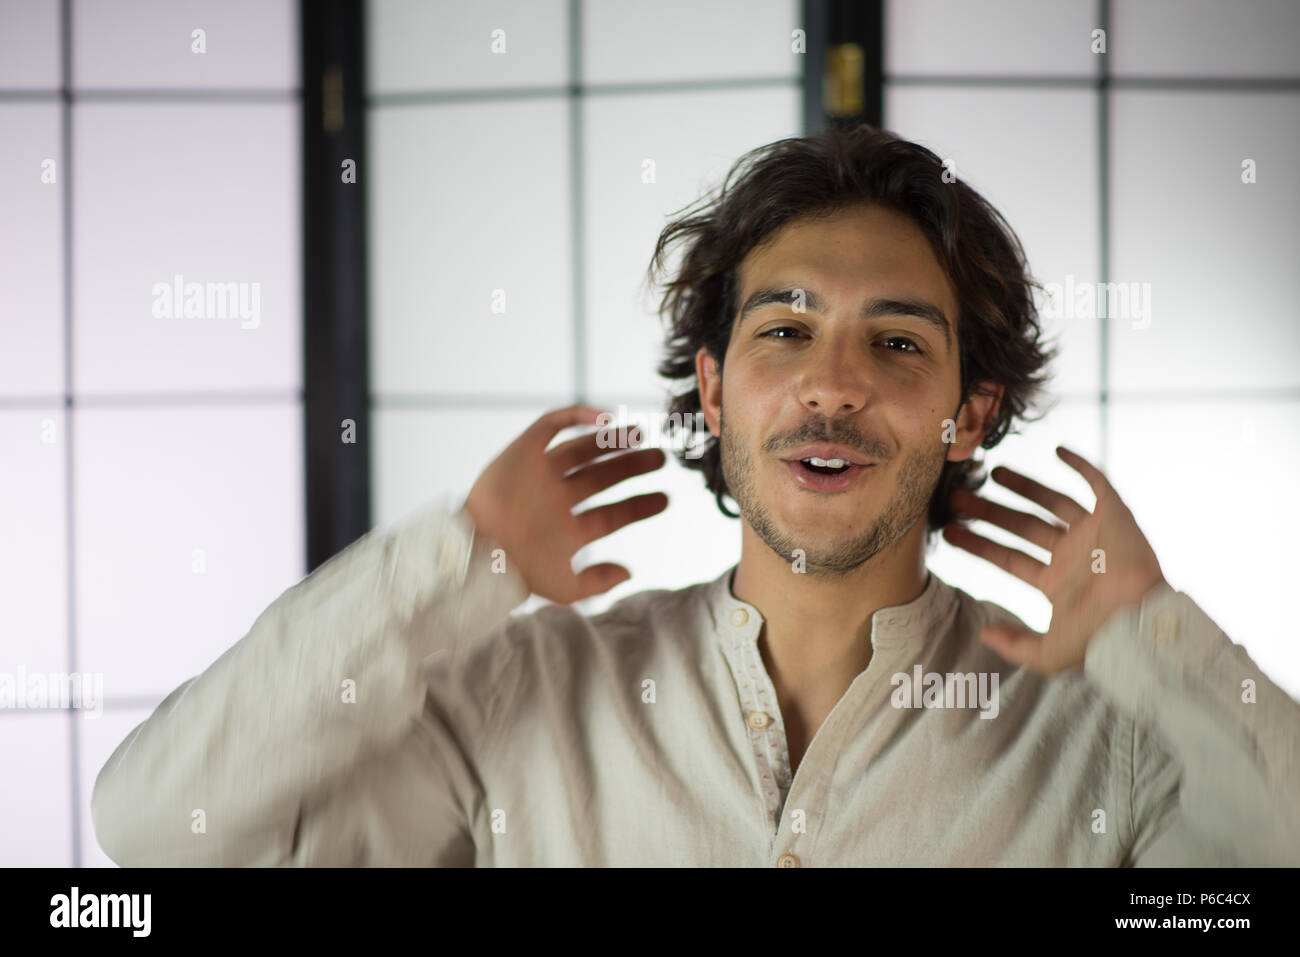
(709, 379)
(974, 419)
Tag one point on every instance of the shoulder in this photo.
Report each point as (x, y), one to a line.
(548, 660)
(554, 635)
(675, 612)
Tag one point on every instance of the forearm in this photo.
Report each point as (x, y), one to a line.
(1233, 732)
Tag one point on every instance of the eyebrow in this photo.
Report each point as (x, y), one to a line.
(874, 308)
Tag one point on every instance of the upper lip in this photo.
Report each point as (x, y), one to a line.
(823, 450)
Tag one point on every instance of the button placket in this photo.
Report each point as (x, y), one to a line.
(774, 742)
(760, 716)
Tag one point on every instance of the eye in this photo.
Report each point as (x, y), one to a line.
(917, 348)
(772, 332)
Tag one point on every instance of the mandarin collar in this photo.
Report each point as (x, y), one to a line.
(895, 625)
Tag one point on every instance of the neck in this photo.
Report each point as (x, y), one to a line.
(816, 634)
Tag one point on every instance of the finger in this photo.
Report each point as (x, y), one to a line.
(1029, 527)
(1015, 645)
(587, 481)
(600, 578)
(1027, 569)
(604, 520)
(574, 453)
(546, 426)
(1100, 485)
(1059, 504)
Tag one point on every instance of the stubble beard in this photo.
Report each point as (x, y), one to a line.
(823, 555)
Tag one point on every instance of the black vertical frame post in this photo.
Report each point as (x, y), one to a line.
(844, 65)
(335, 370)
(816, 33)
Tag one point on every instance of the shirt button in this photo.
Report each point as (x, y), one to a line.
(787, 860)
(758, 720)
(739, 617)
(1166, 626)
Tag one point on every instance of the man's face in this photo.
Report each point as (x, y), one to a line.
(859, 366)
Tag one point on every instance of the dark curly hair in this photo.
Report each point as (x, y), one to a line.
(843, 165)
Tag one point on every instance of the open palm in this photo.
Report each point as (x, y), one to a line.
(1100, 562)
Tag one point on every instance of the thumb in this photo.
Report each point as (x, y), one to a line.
(596, 579)
(1017, 645)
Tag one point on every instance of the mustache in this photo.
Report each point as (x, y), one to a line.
(825, 430)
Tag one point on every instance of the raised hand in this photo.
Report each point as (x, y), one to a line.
(524, 501)
(1083, 596)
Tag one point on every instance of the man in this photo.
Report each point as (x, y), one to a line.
(854, 328)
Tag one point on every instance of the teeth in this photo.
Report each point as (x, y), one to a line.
(826, 463)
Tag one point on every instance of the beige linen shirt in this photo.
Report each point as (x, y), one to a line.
(390, 710)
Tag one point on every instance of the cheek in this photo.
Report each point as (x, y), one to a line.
(925, 434)
(748, 399)
(918, 415)
(748, 378)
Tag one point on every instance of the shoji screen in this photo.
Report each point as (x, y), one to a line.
(512, 219)
(1134, 167)
(151, 479)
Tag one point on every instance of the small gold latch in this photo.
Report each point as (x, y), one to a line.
(332, 100)
(842, 87)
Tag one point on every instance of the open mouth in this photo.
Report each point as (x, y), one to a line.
(826, 466)
(825, 475)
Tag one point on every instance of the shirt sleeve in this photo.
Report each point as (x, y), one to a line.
(314, 739)
(1215, 744)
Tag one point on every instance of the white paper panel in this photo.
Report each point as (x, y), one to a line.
(247, 44)
(470, 207)
(155, 486)
(31, 250)
(29, 45)
(1218, 254)
(36, 801)
(1211, 486)
(205, 191)
(33, 574)
(1001, 37)
(673, 40)
(432, 45)
(1206, 38)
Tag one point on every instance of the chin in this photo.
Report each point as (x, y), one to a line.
(828, 514)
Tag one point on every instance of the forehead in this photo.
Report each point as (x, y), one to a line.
(855, 250)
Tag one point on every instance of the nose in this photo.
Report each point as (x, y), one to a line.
(832, 383)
